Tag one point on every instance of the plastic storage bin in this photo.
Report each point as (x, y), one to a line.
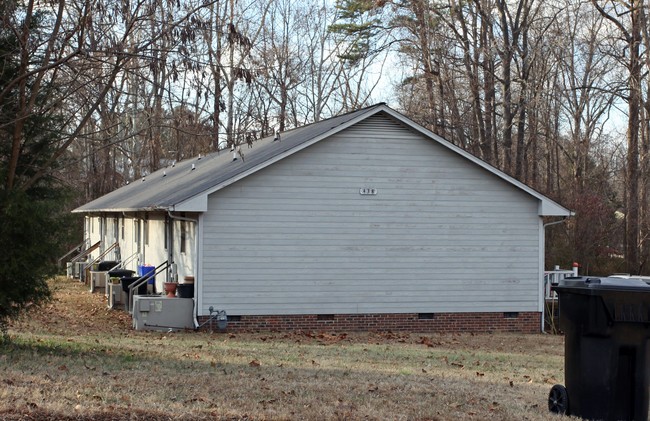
(146, 270)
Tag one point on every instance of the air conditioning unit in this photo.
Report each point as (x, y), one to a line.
(80, 270)
(97, 279)
(116, 295)
(162, 313)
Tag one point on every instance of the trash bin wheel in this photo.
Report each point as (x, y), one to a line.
(558, 400)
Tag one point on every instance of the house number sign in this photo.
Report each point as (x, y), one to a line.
(365, 191)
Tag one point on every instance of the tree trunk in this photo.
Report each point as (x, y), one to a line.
(506, 88)
(632, 219)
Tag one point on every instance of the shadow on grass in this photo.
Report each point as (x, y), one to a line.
(36, 414)
(76, 352)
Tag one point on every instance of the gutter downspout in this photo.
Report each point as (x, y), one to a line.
(548, 224)
(196, 250)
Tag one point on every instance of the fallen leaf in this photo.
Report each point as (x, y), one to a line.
(254, 364)
(263, 402)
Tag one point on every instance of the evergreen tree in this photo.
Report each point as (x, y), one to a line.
(32, 221)
(357, 23)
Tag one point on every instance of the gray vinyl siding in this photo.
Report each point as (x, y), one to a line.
(440, 235)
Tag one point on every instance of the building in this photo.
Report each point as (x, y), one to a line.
(362, 221)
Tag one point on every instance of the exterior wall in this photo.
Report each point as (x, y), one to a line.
(101, 228)
(142, 241)
(443, 322)
(440, 235)
(153, 247)
(185, 260)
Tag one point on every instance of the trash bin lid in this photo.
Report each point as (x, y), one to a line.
(617, 300)
(604, 283)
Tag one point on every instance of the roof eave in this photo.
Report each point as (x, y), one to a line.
(121, 210)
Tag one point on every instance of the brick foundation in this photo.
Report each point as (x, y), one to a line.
(522, 322)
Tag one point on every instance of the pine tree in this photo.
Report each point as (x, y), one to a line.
(359, 25)
(32, 221)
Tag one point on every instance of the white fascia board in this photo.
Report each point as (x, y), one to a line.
(118, 210)
(547, 207)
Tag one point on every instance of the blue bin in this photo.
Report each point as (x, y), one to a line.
(146, 270)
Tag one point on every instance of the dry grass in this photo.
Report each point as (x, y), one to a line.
(76, 360)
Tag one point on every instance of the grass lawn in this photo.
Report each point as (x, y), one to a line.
(75, 360)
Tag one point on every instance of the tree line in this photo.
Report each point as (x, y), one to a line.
(556, 94)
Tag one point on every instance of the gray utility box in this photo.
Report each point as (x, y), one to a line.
(162, 313)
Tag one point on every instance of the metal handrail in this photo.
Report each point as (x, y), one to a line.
(76, 248)
(145, 278)
(86, 252)
(122, 264)
(98, 258)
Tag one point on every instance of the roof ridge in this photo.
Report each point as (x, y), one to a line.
(347, 113)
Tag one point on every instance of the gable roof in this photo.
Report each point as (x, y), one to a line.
(186, 185)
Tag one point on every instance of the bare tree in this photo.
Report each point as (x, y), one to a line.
(630, 33)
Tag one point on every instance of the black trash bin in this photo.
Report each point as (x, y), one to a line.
(185, 290)
(606, 322)
(128, 280)
(106, 265)
(118, 273)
